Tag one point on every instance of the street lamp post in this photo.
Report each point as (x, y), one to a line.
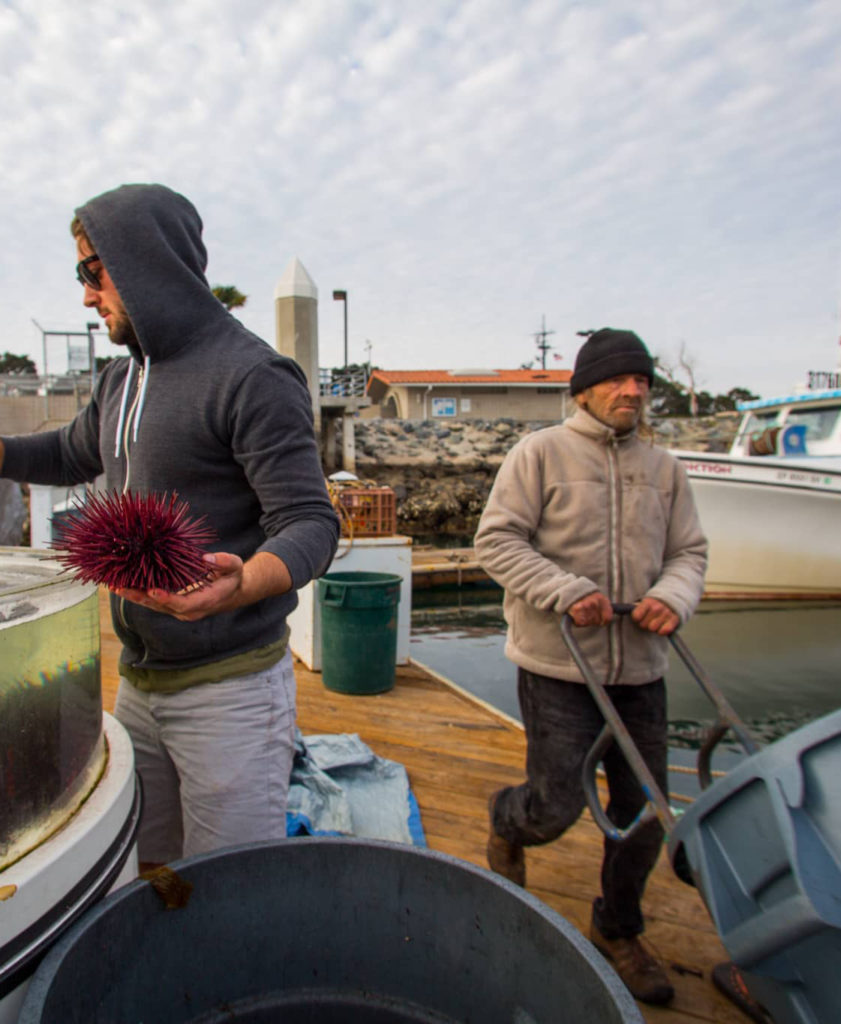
(341, 296)
(90, 328)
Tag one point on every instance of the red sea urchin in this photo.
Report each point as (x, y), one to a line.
(136, 541)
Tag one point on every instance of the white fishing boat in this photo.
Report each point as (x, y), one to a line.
(771, 507)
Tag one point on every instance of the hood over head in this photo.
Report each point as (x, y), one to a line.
(149, 239)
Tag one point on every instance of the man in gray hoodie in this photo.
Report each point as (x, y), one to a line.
(202, 407)
(581, 516)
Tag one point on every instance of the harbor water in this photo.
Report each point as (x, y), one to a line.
(779, 664)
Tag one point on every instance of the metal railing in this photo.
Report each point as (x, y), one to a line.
(14, 385)
(350, 382)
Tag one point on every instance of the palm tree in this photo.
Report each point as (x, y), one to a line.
(229, 295)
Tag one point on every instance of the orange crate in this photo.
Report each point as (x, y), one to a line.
(370, 511)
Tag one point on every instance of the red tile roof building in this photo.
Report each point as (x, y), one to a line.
(469, 394)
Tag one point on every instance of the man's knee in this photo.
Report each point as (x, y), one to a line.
(530, 817)
(553, 814)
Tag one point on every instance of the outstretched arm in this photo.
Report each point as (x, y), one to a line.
(232, 584)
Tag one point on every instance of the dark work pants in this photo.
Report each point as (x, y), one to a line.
(562, 722)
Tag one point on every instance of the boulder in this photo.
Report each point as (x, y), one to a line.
(442, 473)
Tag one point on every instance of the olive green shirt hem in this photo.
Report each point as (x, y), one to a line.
(151, 680)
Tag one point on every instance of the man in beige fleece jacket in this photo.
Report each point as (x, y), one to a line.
(581, 516)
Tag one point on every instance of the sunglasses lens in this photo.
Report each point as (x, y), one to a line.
(85, 275)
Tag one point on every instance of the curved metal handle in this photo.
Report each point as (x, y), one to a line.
(657, 804)
(615, 730)
(591, 792)
(726, 717)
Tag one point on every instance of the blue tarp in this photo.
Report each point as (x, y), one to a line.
(339, 786)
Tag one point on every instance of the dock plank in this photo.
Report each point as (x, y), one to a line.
(456, 751)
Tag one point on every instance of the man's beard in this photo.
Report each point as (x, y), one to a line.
(121, 332)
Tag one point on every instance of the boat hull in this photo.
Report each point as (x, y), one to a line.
(772, 524)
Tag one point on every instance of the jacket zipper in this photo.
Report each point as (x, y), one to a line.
(614, 563)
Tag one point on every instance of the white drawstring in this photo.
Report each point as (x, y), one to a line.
(133, 417)
(144, 385)
(118, 439)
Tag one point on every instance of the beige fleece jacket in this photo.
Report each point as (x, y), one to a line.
(576, 508)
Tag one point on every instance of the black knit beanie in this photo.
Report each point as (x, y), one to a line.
(610, 353)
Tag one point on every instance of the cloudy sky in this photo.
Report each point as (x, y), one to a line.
(463, 168)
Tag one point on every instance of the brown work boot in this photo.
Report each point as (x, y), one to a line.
(504, 858)
(642, 974)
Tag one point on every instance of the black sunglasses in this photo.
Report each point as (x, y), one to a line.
(84, 274)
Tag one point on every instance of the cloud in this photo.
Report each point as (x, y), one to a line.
(461, 168)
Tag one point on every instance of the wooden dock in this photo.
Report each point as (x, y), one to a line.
(456, 751)
(446, 567)
(458, 567)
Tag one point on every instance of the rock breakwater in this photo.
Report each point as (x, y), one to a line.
(442, 473)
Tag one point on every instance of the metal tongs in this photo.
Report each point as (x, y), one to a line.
(657, 804)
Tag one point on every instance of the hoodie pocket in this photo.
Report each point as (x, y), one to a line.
(164, 641)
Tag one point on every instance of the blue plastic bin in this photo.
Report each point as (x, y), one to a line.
(763, 846)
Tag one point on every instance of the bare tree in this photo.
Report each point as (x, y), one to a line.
(686, 369)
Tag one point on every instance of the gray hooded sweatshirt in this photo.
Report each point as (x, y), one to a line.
(203, 408)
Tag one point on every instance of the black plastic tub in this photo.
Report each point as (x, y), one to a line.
(326, 931)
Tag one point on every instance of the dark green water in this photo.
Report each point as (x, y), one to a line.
(779, 665)
(49, 727)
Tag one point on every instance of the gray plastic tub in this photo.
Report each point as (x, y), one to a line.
(327, 930)
(763, 846)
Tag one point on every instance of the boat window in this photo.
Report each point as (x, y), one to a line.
(761, 420)
(754, 423)
(819, 422)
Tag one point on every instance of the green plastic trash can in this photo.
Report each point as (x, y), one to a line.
(359, 630)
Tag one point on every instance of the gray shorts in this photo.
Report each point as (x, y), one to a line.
(214, 761)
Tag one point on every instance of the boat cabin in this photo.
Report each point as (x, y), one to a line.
(807, 424)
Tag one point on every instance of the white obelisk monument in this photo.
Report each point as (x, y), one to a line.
(296, 325)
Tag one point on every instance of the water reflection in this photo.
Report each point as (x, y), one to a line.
(779, 664)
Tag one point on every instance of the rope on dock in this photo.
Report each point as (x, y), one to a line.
(681, 769)
(678, 769)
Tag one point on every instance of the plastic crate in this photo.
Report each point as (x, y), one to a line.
(369, 511)
(764, 848)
